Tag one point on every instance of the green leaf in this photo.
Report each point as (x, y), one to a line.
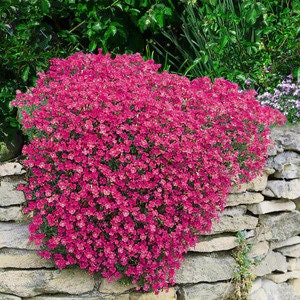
(25, 73)
(45, 6)
(92, 45)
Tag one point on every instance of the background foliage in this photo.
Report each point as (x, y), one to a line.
(253, 43)
(33, 31)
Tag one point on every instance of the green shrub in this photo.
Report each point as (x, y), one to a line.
(33, 31)
(247, 42)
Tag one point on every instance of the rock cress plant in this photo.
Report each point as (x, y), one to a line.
(127, 166)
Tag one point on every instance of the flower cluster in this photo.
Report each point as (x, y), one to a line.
(127, 166)
(285, 98)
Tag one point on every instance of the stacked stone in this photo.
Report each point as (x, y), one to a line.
(266, 209)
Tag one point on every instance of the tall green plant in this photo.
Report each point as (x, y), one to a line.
(249, 42)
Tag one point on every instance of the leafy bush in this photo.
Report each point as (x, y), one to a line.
(285, 98)
(32, 32)
(243, 41)
(128, 166)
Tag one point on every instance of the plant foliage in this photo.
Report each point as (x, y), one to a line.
(128, 166)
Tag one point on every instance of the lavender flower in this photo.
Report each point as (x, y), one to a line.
(285, 98)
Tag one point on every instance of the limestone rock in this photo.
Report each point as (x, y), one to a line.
(170, 295)
(84, 297)
(272, 262)
(279, 278)
(282, 291)
(282, 226)
(294, 264)
(8, 193)
(259, 249)
(11, 168)
(259, 294)
(283, 189)
(265, 207)
(256, 285)
(11, 213)
(257, 184)
(114, 287)
(207, 291)
(290, 251)
(296, 286)
(207, 268)
(289, 242)
(286, 138)
(211, 244)
(244, 198)
(8, 297)
(25, 283)
(22, 259)
(286, 164)
(234, 224)
(15, 235)
(235, 210)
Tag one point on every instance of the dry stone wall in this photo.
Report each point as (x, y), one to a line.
(266, 209)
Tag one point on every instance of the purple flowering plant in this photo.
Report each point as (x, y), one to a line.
(285, 98)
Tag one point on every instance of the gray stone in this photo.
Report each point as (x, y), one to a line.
(286, 164)
(235, 210)
(275, 291)
(259, 249)
(37, 282)
(8, 193)
(257, 184)
(11, 168)
(15, 235)
(294, 264)
(290, 251)
(205, 267)
(273, 261)
(244, 198)
(163, 295)
(84, 297)
(296, 286)
(219, 243)
(8, 297)
(259, 294)
(283, 189)
(265, 207)
(286, 138)
(22, 259)
(234, 224)
(114, 287)
(206, 291)
(282, 226)
(279, 278)
(289, 242)
(11, 213)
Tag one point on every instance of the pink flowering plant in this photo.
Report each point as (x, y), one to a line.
(128, 166)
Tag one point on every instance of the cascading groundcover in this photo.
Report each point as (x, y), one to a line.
(128, 166)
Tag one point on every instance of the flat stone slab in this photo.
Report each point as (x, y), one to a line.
(205, 268)
(11, 213)
(9, 195)
(266, 207)
(279, 278)
(22, 259)
(280, 227)
(25, 283)
(15, 235)
(290, 251)
(234, 224)
(212, 244)
(11, 168)
(283, 189)
(243, 198)
(273, 261)
(207, 291)
(257, 184)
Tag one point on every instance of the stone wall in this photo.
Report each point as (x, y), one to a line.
(267, 209)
